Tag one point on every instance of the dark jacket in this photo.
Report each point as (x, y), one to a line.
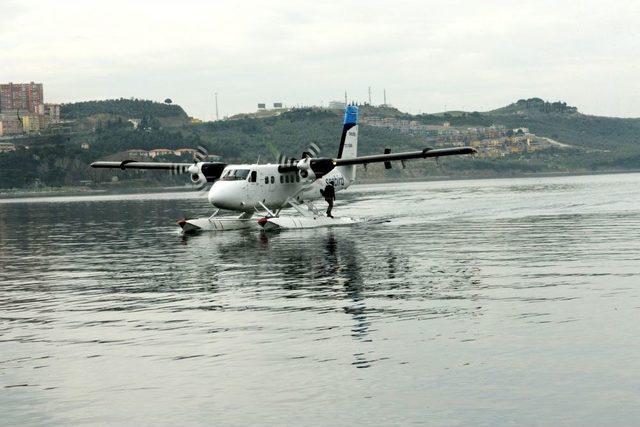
(329, 192)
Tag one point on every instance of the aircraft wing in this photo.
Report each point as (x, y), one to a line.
(133, 164)
(407, 155)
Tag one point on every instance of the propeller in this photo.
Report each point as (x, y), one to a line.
(195, 171)
(310, 152)
(198, 179)
(310, 166)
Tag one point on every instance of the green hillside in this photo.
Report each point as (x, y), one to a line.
(130, 108)
(101, 130)
(535, 106)
(559, 121)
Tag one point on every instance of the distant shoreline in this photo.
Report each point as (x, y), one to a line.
(76, 191)
(465, 178)
(84, 191)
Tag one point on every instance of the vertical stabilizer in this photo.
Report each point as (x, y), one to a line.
(349, 141)
(349, 138)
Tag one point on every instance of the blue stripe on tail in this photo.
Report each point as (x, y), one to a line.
(351, 115)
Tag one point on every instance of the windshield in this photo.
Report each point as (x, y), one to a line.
(235, 175)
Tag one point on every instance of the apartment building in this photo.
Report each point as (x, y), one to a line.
(21, 96)
(22, 109)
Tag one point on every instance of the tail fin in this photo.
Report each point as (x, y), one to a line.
(349, 141)
(349, 138)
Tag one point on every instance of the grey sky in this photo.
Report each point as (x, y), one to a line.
(475, 55)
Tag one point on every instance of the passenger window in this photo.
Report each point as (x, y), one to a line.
(266, 179)
(253, 177)
(273, 180)
(281, 179)
(297, 178)
(286, 179)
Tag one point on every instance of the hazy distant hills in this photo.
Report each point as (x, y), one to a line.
(559, 121)
(555, 120)
(103, 130)
(598, 143)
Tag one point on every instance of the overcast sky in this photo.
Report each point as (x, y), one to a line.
(472, 55)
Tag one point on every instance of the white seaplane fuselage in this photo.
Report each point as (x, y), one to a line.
(262, 189)
(251, 188)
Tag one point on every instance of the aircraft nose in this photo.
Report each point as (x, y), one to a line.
(221, 197)
(214, 194)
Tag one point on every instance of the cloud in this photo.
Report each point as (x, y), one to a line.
(479, 55)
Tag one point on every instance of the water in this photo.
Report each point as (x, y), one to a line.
(480, 302)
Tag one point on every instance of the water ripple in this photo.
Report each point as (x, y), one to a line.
(478, 294)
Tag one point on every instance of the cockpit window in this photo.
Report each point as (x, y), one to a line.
(235, 175)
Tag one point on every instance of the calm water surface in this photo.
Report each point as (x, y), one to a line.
(480, 302)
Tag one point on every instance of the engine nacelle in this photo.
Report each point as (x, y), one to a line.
(321, 166)
(308, 168)
(196, 175)
(304, 169)
(204, 172)
(197, 178)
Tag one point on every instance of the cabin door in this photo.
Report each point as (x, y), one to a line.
(254, 187)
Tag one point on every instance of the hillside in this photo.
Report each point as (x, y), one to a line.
(101, 130)
(131, 108)
(535, 106)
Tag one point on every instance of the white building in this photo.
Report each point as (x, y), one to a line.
(138, 153)
(160, 152)
(7, 147)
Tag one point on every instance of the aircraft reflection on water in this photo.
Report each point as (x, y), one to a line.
(325, 267)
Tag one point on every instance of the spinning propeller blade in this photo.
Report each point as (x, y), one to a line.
(311, 151)
(201, 154)
(198, 180)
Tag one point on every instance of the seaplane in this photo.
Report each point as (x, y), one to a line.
(266, 190)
